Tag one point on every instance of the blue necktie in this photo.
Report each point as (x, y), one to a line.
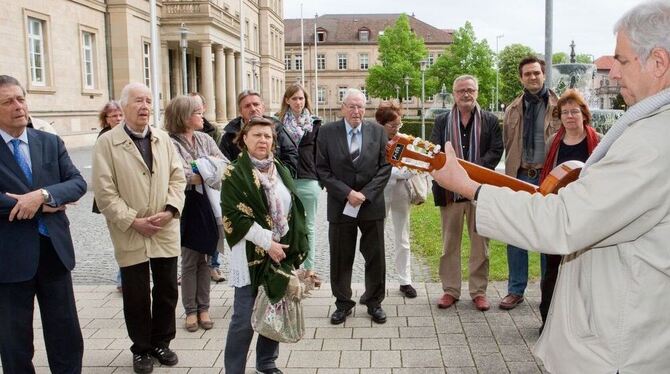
(355, 145)
(23, 164)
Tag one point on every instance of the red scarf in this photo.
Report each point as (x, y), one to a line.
(550, 162)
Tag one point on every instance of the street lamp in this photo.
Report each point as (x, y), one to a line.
(406, 79)
(497, 69)
(254, 62)
(443, 93)
(183, 43)
(423, 66)
(397, 92)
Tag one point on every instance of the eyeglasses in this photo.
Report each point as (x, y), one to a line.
(353, 107)
(468, 91)
(398, 125)
(573, 112)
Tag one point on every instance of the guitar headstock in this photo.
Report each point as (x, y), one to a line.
(414, 153)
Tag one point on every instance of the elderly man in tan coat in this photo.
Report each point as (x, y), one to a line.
(139, 184)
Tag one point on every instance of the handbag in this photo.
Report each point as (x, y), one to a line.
(283, 321)
(417, 187)
(199, 229)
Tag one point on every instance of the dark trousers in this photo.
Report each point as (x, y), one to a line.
(150, 313)
(342, 238)
(52, 284)
(548, 282)
(240, 334)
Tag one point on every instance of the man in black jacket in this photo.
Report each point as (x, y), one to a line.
(250, 104)
(477, 138)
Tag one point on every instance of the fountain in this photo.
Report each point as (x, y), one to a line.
(581, 76)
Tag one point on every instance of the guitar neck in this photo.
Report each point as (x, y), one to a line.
(487, 176)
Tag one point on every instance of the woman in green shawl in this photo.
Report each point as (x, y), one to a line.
(265, 227)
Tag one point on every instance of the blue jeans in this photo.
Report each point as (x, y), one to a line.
(240, 334)
(214, 260)
(517, 258)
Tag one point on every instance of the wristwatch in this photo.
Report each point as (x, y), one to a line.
(45, 195)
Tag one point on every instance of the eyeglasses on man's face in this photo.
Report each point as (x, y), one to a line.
(464, 91)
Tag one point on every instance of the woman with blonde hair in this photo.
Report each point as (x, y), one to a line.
(183, 120)
(303, 128)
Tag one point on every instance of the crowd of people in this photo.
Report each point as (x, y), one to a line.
(184, 188)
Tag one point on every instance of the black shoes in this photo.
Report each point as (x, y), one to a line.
(339, 316)
(269, 371)
(165, 356)
(377, 314)
(408, 291)
(142, 363)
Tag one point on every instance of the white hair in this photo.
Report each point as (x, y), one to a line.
(466, 77)
(352, 92)
(125, 92)
(647, 26)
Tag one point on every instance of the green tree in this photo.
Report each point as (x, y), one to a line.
(584, 58)
(509, 58)
(400, 51)
(560, 58)
(466, 55)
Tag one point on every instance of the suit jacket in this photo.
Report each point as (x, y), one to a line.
(490, 148)
(339, 174)
(53, 170)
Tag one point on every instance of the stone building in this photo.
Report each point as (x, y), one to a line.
(75, 55)
(347, 45)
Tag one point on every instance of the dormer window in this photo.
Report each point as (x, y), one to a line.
(321, 35)
(363, 35)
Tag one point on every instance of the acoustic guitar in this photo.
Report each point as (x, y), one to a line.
(414, 153)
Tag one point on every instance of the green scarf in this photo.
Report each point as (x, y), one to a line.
(243, 202)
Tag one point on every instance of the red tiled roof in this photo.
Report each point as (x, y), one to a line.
(604, 62)
(343, 29)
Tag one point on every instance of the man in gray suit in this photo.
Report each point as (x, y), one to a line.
(351, 163)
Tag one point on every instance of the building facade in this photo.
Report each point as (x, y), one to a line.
(605, 89)
(346, 47)
(74, 55)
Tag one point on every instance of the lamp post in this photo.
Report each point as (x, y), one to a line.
(183, 43)
(397, 92)
(254, 75)
(497, 69)
(423, 66)
(443, 93)
(406, 79)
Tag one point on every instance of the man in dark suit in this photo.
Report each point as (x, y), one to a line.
(351, 163)
(37, 179)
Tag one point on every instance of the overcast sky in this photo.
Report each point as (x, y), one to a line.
(588, 22)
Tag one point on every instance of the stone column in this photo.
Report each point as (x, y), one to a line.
(165, 57)
(220, 83)
(231, 93)
(192, 74)
(207, 79)
(176, 71)
(239, 83)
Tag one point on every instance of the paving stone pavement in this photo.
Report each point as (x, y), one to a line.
(417, 338)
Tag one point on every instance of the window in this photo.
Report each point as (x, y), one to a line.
(342, 61)
(146, 59)
(431, 59)
(321, 35)
(298, 62)
(88, 60)
(321, 61)
(246, 33)
(429, 98)
(287, 62)
(365, 92)
(36, 51)
(321, 95)
(363, 61)
(363, 35)
(340, 93)
(255, 36)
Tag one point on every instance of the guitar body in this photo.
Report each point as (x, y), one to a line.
(407, 151)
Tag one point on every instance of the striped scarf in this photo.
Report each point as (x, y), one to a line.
(454, 134)
(635, 113)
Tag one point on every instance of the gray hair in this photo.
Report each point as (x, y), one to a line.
(647, 26)
(125, 93)
(246, 93)
(8, 80)
(352, 92)
(466, 77)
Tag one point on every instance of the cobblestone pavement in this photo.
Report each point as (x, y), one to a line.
(95, 258)
(417, 338)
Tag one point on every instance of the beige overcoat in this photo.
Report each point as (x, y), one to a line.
(125, 189)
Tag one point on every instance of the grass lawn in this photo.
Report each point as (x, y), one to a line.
(426, 241)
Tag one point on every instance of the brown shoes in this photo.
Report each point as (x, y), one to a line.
(510, 301)
(481, 303)
(191, 323)
(204, 321)
(446, 301)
